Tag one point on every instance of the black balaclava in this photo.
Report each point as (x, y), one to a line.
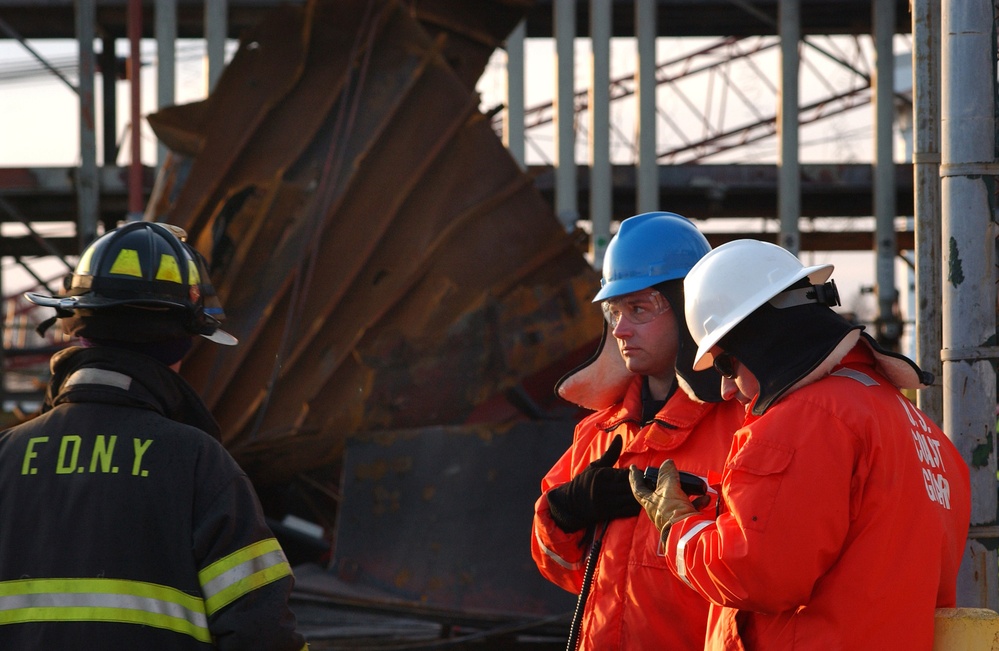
(160, 333)
(705, 384)
(781, 346)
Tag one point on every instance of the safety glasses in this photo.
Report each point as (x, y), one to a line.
(725, 365)
(636, 308)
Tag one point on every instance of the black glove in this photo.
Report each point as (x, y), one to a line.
(601, 492)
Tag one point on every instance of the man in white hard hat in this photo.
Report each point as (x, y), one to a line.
(845, 509)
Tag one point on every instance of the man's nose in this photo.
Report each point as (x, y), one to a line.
(729, 390)
(623, 329)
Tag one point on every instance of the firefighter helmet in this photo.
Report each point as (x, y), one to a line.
(143, 264)
(649, 249)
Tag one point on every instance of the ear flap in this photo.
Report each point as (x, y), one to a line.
(899, 369)
(599, 382)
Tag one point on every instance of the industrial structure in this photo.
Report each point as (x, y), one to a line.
(408, 286)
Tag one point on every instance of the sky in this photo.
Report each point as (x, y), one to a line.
(39, 123)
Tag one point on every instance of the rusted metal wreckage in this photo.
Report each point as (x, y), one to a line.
(404, 297)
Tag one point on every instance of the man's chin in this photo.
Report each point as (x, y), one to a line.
(635, 367)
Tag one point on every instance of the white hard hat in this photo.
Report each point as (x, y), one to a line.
(731, 281)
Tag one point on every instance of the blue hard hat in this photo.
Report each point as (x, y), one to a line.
(649, 249)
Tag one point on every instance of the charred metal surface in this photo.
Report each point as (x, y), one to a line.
(387, 267)
(461, 499)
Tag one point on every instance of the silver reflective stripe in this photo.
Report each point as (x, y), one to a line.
(555, 557)
(98, 376)
(243, 571)
(863, 378)
(91, 600)
(103, 600)
(681, 564)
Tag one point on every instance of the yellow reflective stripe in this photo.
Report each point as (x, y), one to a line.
(103, 600)
(241, 572)
(193, 275)
(169, 269)
(127, 264)
(83, 266)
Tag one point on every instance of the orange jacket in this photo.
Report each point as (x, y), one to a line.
(847, 515)
(635, 603)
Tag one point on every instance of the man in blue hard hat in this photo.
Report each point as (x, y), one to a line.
(649, 405)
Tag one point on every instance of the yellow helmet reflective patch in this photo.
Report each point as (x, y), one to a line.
(192, 273)
(126, 264)
(83, 266)
(169, 269)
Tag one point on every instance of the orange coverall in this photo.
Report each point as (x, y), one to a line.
(635, 602)
(845, 517)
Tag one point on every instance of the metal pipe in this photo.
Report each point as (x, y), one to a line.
(109, 100)
(968, 167)
(135, 198)
(600, 167)
(513, 126)
(87, 181)
(647, 198)
(216, 30)
(12, 33)
(789, 168)
(926, 199)
(566, 202)
(889, 324)
(166, 61)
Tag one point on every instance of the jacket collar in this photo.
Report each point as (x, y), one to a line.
(675, 420)
(115, 376)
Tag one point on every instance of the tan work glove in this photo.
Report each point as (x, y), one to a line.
(667, 504)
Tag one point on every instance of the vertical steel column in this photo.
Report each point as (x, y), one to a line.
(216, 30)
(600, 167)
(926, 182)
(135, 198)
(87, 180)
(789, 169)
(566, 201)
(513, 126)
(967, 170)
(109, 99)
(166, 61)
(889, 324)
(647, 182)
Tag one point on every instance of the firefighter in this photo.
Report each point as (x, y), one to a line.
(845, 508)
(126, 524)
(648, 405)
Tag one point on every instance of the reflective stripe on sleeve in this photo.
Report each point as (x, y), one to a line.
(242, 572)
(681, 564)
(103, 600)
(555, 557)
